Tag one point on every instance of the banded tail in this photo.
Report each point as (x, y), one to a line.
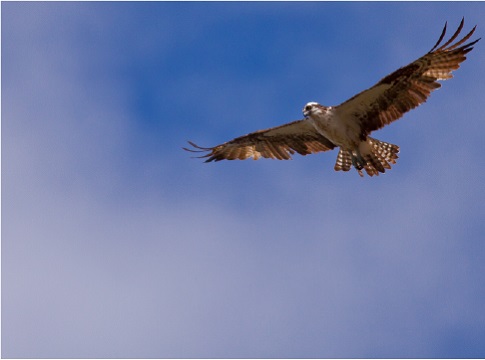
(374, 156)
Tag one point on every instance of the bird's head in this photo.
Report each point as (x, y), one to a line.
(312, 108)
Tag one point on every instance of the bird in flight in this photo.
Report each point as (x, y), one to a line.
(348, 125)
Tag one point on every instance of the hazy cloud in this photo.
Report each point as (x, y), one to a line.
(116, 244)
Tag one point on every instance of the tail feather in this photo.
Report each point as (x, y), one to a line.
(386, 150)
(344, 160)
(374, 157)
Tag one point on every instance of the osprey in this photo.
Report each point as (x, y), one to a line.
(349, 124)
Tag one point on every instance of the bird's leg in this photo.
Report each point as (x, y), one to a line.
(357, 159)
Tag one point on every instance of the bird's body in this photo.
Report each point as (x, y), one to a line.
(342, 130)
(349, 124)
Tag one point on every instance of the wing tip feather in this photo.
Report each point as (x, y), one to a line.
(200, 149)
(448, 45)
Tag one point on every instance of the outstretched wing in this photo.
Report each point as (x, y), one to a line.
(276, 143)
(407, 87)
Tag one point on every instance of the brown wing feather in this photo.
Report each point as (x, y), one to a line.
(276, 143)
(407, 87)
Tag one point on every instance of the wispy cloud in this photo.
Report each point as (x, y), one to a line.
(116, 244)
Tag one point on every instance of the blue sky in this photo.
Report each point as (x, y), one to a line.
(115, 243)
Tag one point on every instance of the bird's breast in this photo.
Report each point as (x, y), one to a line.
(342, 133)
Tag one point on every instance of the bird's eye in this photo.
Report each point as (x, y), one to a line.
(308, 107)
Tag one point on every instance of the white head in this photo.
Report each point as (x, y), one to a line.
(313, 108)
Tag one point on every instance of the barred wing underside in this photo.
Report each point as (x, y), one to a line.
(407, 87)
(276, 143)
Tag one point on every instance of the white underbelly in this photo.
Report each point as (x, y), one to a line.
(341, 134)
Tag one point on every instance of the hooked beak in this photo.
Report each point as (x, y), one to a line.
(306, 113)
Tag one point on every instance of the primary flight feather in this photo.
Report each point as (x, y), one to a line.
(349, 124)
